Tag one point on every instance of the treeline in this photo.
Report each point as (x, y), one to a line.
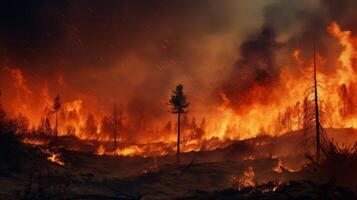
(10, 146)
(116, 126)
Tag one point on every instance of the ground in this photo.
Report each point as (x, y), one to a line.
(200, 175)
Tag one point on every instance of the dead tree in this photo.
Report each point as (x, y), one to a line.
(315, 113)
(56, 107)
(2, 112)
(317, 118)
(115, 125)
(179, 106)
(117, 121)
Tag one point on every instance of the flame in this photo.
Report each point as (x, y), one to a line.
(129, 151)
(279, 168)
(52, 156)
(100, 150)
(34, 141)
(55, 158)
(20, 81)
(345, 73)
(245, 180)
(264, 116)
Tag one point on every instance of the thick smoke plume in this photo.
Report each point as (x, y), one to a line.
(287, 26)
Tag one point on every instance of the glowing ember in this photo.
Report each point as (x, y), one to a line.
(280, 167)
(55, 158)
(250, 157)
(129, 151)
(34, 141)
(245, 180)
(100, 150)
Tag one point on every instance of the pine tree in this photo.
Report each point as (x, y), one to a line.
(179, 106)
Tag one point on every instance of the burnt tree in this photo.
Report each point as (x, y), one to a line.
(315, 113)
(117, 122)
(317, 118)
(56, 107)
(2, 113)
(179, 106)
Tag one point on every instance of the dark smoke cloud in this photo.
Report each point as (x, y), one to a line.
(287, 26)
(257, 67)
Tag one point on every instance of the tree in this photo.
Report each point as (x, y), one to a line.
(179, 106)
(2, 113)
(107, 126)
(45, 127)
(56, 107)
(317, 118)
(117, 121)
(91, 126)
(315, 113)
(22, 124)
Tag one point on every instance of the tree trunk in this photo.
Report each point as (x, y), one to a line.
(115, 127)
(178, 138)
(56, 127)
(316, 112)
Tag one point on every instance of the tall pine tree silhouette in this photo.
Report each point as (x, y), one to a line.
(317, 117)
(179, 105)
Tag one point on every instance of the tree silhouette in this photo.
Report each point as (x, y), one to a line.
(56, 107)
(44, 128)
(317, 118)
(315, 113)
(91, 125)
(22, 124)
(117, 121)
(179, 106)
(2, 113)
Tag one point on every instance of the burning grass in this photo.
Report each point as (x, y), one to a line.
(247, 179)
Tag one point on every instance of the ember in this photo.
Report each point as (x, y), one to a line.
(55, 158)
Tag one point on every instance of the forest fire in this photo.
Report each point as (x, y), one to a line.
(285, 114)
(176, 99)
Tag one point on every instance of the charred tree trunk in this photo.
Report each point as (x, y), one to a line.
(115, 127)
(316, 112)
(56, 127)
(178, 138)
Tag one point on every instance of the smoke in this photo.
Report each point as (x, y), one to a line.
(129, 52)
(287, 26)
(134, 52)
(256, 69)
